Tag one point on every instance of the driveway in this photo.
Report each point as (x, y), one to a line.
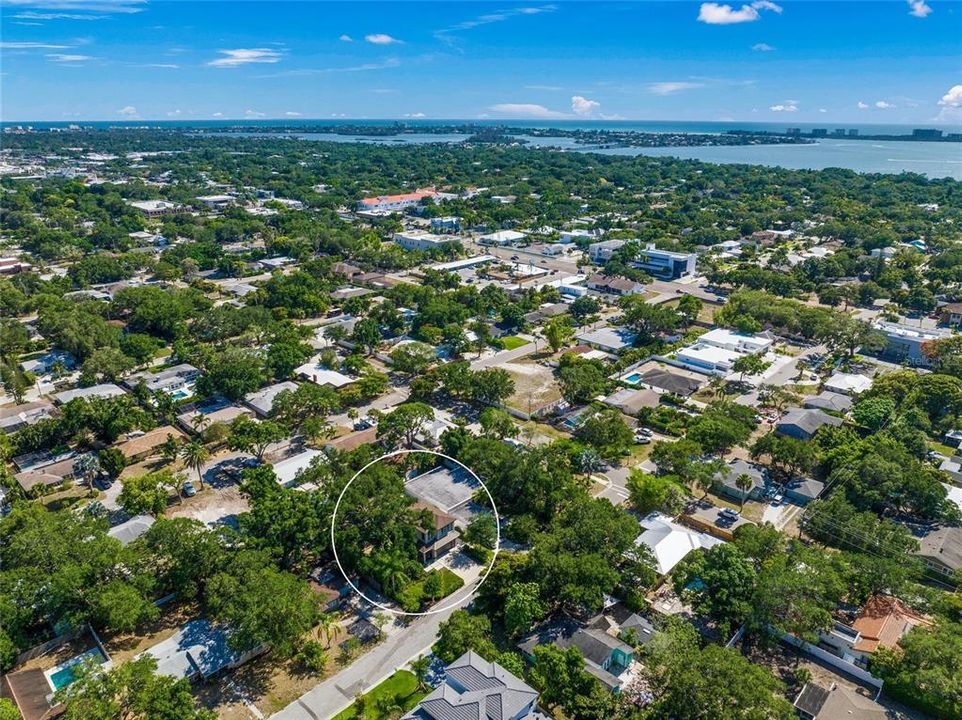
(505, 356)
(338, 691)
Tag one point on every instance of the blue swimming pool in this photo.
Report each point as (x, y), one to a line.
(63, 675)
(633, 378)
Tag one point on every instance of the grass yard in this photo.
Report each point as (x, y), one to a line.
(414, 593)
(512, 342)
(401, 686)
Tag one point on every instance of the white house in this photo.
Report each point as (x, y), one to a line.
(847, 383)
(288, 469)
(735, 341)
(670, 542)
(321, 376)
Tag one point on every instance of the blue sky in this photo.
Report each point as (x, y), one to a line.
(792, 62)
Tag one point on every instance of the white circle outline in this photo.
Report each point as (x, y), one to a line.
(450, 605)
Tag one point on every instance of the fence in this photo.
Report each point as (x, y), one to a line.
(834, 660)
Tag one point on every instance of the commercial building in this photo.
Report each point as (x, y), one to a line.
(665, 264)
(904, 343)
(395, 203)
(158, 208)
(421, 240)
(502, 237)
(601, 252)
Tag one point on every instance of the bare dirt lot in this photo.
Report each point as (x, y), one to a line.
(534, 385)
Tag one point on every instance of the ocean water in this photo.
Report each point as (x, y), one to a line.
(933, 159)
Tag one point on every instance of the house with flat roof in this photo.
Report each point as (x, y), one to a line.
(448, 489)
(738, 342)
(198, 650)
(609, 339)
(708, 358)
(289, 469)
(103, 390)
(15, 417)
(158, 208)
(474, 689)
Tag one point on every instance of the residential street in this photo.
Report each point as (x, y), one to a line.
(338, 691)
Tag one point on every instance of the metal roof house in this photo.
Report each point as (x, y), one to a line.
(197, 651)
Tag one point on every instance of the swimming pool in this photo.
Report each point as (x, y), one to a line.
(63, 674)
(632, 379)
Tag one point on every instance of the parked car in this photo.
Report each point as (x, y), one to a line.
(103, 482)
(189, 489)
(777, 500)
(729, 514)
(642, 439)
(363, 424)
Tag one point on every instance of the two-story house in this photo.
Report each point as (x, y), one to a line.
(438, 537)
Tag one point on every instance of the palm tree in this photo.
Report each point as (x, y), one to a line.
(195, 455)
(420, 667)
(744, 483)
(393, 570)
(86, 468)
(327, 626)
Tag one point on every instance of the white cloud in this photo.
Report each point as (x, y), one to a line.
(128, 111)
(166, 66)
(918, 8)
(714, 14)
(882, 105)
(668, 88)
(789, 106)
(822, 110)
(762, 47)
(415, 115)
(382, 39)
(292, 113)
(583, 106)
(546, 88)
(217, 114)
(862, 106)
(253, 114)
(245, 56)
(389, 63)
(57, 16)
(101, 6)
(346, 38)
(526, 110)
(68, 59)
(31, 46)
(496, 17)
(952, 98)
(174, 113)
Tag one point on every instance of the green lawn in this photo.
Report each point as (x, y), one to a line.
(414, 594)
(510, 342)
(402, 686)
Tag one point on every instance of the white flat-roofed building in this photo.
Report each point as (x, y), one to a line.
(104, 390)
(708, 358)
(288, 469)
(739, 342)
(666, 264)
(464, 263)
(601, 252)
(502, 237)
(157, 208)
(904, 342)
(216, 202)
(422, 240)
(570, 236)
(276, 263)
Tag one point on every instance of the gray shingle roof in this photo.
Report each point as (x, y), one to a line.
(475, 689)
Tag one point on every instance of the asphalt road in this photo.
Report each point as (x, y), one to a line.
(338, 691)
